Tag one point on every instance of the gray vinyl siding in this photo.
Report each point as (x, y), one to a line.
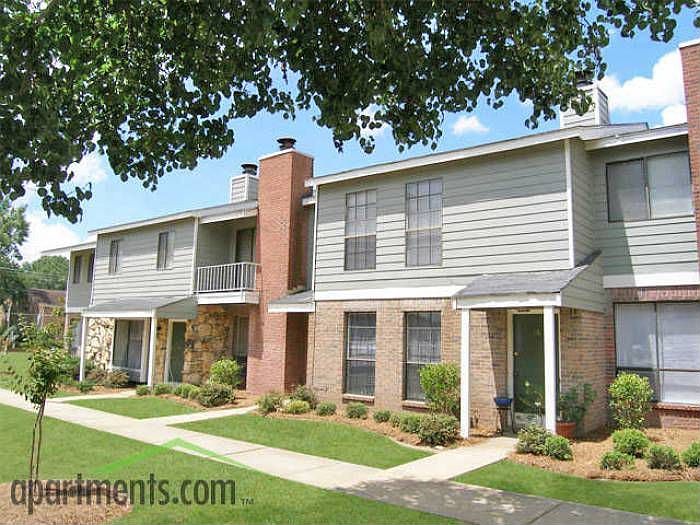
(642, 247)
(582, 203)
(78, 294)
(586, 290)
(216, 241)
(501, 213)
(137, 275)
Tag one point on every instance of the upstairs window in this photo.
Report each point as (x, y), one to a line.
(91, 266)
(165, 251)
(77, 268)
(114, 255)
(649, 188)
(361, 230)
(424, 223)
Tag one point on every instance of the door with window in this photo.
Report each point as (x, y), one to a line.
(245, 245)
(176, 360)
(128, 347)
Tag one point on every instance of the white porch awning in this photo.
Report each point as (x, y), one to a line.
(137, 307)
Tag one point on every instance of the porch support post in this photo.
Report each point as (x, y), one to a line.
(83, 339)
(464, 376)
(152, 348)
(550, 370)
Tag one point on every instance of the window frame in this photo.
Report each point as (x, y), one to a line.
(114, 257)
(408, 231)
(167, 262)
(647, 188)
(356, 237)
(91, 266)
(420, 364)
(658, 370)
(347, 359)
(77, 269)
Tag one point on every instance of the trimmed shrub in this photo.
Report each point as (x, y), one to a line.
(381, 416)
(395, 419)
(215, 394)
(269, 402)
(304, 393)
(116, 379)
(615, 460)
(183, 390)
(410, 422)
(691, 455)
(325, 409)
(663, 457)
(531, 440)
(356, 411)
(630, 441)
(97, 375)
(440, 384)
(194, 393)
(162, 388)
(630, 400)
(438, 429)
(558, 447)
(297, 406)
(85, 386)
(142, 390)
(225, 372)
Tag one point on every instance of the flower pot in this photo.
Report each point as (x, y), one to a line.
(566, 429)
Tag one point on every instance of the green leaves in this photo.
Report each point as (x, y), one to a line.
(161, 82)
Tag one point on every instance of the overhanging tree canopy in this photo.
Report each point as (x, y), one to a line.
(155, 84)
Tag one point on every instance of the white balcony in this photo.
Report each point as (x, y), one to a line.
(227, 283)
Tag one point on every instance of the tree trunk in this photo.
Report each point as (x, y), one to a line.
(34, 457)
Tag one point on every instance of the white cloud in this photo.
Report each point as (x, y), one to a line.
(367, 132)
(675, 114)
(466, 125)
(92, 168)
(663, 90)
(44, 235)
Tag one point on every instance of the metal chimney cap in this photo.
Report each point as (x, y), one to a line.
(286, 142)
(249, 169)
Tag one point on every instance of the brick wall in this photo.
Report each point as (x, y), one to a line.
(690, 56)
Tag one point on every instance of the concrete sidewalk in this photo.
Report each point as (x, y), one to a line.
(421, 485)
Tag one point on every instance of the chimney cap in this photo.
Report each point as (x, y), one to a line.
(286, 142)
(584, 77)
(249, 168)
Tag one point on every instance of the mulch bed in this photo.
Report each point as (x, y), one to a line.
(69, 513)
(587, 453)
(243, 399)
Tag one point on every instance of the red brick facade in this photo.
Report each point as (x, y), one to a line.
(690, 57)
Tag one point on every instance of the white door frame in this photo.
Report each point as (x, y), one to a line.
(144, 346)
(168, 347)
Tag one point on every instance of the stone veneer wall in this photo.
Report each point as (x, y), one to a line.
(98, 345)
(161, 350)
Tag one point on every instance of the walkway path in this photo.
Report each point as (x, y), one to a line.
(421, 485)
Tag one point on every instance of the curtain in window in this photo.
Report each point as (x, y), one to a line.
(423, 334)
(361, 347)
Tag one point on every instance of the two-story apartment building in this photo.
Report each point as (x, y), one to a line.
(536, 263)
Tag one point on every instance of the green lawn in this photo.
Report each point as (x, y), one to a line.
(17, 360)
(673, 499)
(137, 407)
(70, 449)
(319, 438)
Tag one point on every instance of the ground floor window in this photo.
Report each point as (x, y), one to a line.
(423, 334)
(661, 341)
(360, 352)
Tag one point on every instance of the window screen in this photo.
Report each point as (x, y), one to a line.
(423, 332)
(360, 230)
(165, 251)
(114, 256)
(424, 223)
(361, 347)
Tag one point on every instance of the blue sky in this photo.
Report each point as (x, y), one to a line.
(644, 83)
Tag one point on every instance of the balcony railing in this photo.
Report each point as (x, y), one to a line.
(226, 277)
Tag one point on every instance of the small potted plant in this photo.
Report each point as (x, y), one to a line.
(573, 405)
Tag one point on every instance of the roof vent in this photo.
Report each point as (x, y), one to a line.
(286, 143)
(249, 169)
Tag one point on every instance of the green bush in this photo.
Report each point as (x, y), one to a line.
(438, 429)
(558, 447)
(325, 409)
(97, 375)
(183, 390)
(395, 419)
(691, 455)
(215, 394)
(194, 393)
(356, 411)
(574, 403)
(304, 393)
(225, 372)
(440, 384)
(381, 416)
(615, 460)
(410, 422)
(162, 389)
(85, 386)
(663, 457)
(630, 441)
(297, 406)
(116, 379)
(531, 440)
(269, 402)
(630, 400)
(142, 390)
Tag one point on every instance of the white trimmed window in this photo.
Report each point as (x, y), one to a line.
(114, 262)
(91, 266)
(423, 334)
(361, 230)
(424, 223)
(360, 353)
(649, 188)
(661, 341)
(165, 251)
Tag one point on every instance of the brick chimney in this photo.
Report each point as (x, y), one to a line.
(690, 58)
(280, 361)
